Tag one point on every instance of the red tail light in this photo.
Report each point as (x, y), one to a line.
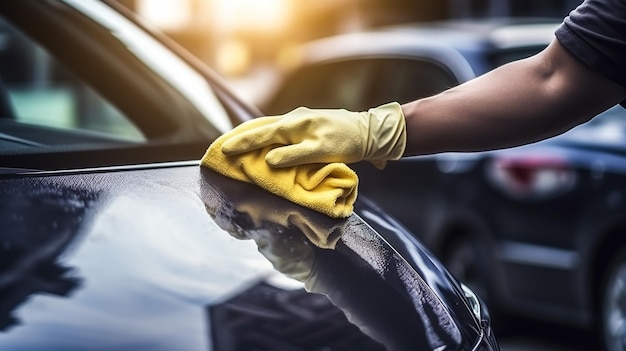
(531, 177)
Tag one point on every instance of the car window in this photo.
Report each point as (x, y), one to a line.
(161, 60)
(405, 80)
(359, 84)
(501, 57)
(84, 85)
(38, 90)
(341, 84)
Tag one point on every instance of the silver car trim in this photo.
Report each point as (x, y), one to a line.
(479, 340)
(109, 168)
(537, 255)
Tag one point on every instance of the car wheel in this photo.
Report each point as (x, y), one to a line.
(613, 304)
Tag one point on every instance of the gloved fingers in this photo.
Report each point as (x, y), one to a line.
(251, 135)
(379, 164)
(305, 152)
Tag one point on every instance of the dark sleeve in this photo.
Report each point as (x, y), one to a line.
(595, 33)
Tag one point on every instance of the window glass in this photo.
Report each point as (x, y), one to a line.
(331, 85)
(502, 57)
(345, 86)
(38, 90)
(161, 60)
(360, 84)
(405, 80)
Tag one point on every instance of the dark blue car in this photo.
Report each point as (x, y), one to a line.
(114, 238)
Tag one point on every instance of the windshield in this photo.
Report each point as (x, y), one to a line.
(107, 94)
(160, 59)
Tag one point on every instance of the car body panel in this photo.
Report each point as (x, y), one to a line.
(107, 246)
(146, 255)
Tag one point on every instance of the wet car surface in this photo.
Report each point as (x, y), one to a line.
(183, 256)
(113, 236)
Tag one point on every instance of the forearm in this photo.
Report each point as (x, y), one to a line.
(518, 103)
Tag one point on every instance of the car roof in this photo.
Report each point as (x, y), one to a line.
(445, 41)
(500, 33)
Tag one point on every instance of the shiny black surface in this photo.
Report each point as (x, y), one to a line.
(152, 259)
(171, 256)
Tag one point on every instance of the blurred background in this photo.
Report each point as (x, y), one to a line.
(249, 42)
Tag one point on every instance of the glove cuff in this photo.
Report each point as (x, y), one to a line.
(386, 133)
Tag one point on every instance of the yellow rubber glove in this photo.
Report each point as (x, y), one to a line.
(324, 136)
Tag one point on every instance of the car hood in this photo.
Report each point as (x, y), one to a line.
(183, 258)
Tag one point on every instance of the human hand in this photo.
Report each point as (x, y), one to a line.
(324, 136)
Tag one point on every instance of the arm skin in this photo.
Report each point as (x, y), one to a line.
(518, 103)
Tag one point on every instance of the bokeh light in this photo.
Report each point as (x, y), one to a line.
(261, 15)
(166, 14)
(232, 58)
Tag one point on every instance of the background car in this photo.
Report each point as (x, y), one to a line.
(113, 237)
(535, 230)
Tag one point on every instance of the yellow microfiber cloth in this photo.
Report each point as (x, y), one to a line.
(327, 188)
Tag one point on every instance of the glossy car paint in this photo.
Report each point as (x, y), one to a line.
(149, 258)
(162, 256)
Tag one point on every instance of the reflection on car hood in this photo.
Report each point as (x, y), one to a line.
(182, 258)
